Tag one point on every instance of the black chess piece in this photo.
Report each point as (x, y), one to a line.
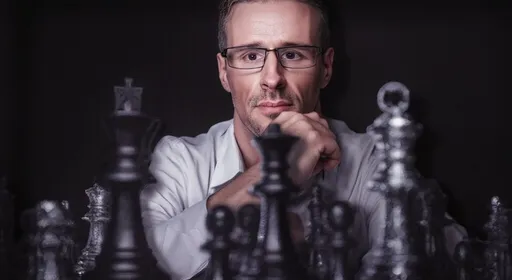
(125, 252)
(220, 222)
(341, 218)
(318, 242)
(248, 254)
(280, 260)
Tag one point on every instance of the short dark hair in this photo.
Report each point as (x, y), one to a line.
(226, 6)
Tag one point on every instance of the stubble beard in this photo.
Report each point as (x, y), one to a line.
(256, 127)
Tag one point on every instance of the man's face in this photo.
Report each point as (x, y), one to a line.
(259, 95)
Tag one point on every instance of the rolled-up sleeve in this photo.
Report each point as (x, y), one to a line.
(174, 229)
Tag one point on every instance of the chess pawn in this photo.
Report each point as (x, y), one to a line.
(341, 218)
(318, 257)
(53, 242)
(220, 222)
(463, 260)
(98, 218)
(6, 229)
(248, 253)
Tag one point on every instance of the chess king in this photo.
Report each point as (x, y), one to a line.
(275, 58)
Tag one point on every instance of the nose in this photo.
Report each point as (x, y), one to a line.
(272, 77)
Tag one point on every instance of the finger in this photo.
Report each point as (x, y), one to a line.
(325, 146)
(322, 126)
(285, 116)
(316, 117)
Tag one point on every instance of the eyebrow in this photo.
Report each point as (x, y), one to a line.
(283, 44)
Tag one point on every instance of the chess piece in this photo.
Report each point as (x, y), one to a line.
(54, 241)
(129, 98)
(280, 259)
(394, 133)
(318, 256)
(431, 203)
(497, 252)
(98, 218)
(249, 259)
(463, 260)
(125, 253)
(6, 229)
(220, 222)
(341, 217)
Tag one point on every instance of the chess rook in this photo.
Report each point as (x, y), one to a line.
(125, 253)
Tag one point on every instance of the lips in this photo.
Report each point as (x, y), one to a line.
(274, 104)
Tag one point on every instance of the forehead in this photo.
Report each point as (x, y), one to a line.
(273, 24)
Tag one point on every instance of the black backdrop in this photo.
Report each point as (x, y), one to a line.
(60, 62)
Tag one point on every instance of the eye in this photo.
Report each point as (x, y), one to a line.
(292, 55)
(251, 56)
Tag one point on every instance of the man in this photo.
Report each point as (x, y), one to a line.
(275, 58)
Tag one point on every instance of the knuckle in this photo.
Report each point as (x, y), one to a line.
(312, 135)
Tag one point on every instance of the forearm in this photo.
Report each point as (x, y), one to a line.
(235, 193)
(176, 242)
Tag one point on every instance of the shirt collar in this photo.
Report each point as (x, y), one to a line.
(228, 160)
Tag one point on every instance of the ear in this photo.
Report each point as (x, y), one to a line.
(221, 64)
(327, 62)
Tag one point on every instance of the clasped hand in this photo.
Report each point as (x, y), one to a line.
(317, 148)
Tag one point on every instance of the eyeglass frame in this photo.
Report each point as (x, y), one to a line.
(320, 52)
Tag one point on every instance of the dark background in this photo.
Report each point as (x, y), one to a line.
(59, 63)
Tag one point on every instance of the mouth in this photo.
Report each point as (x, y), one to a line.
(274, 104)
(269, 108)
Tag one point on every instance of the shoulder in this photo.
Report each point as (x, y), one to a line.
(355, 146)
(187, 147)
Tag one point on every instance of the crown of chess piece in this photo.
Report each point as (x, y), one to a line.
(125, 253)
(98, 218)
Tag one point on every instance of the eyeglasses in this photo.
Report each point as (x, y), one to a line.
(294, 57)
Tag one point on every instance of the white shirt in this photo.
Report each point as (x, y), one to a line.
(188, 170)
